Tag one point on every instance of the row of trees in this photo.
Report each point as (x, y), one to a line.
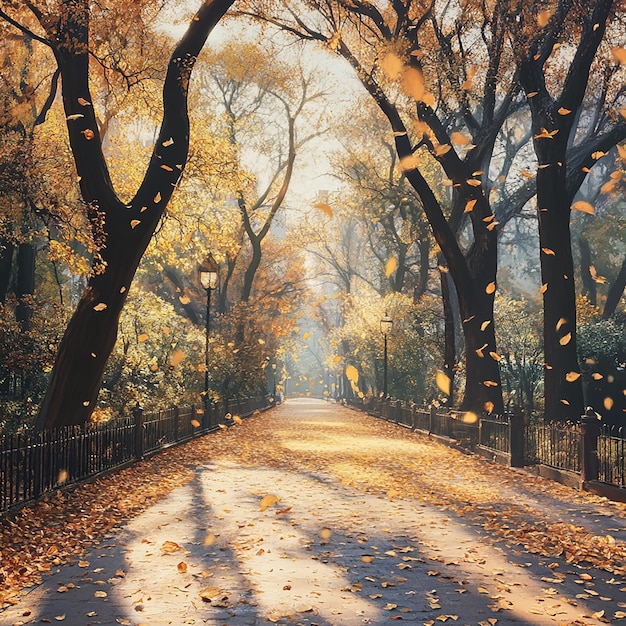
(496, 114)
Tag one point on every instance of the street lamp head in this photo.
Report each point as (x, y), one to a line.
(386, 325)
(209, 272)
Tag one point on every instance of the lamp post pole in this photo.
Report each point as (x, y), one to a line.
(386, 324)
(209, 276)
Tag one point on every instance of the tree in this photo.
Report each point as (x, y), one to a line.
(571, 130)
(124, 229)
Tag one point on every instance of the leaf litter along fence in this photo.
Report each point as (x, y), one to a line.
(35, 463)
(594, 452)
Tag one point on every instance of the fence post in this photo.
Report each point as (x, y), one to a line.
(589, 429)
(516, 439)
(413, 415)
(139, 440)
(431, 418)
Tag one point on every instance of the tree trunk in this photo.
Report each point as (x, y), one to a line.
(589, 284)
(615, 292)
(124, 229)
(6, 267)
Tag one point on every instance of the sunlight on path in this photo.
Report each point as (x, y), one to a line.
(259, 537)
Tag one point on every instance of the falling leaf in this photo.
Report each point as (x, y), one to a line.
(413, 83)
(157, 198)
(100, 594)
(490, 383)
(100, 307)
(306, 336)
(473, 182)
(489, 406)
(83, 102)
(484, 325)
(490, 288)
(597, 376)
(177, 357)
(337, 359)
(367, 558)
(546, 134)
(195, 423)
(168, 142)
(167, 168)
(564, 111)
(182, 567)
(63, 476)
(543, 288)
(134, 223)
(607, 403)
(143, 337)
(583, 207)
(570, 377)
(392, 66)
(237, 419)
(459, 139)
(326, 534)
(391, 266)
(543, 18)
(267, 501)
(470, 206)
(548, 251)
(442, 148)
(88, 134)
(408, 163)
(469, 418)
(76, 116)
(352, 374)
(443, 382)
(325, 208)
(619, 54)
(562, 321)
(495, 356)
(565, 339)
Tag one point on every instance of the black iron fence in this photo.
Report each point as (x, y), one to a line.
(596, 454)
(35, 463)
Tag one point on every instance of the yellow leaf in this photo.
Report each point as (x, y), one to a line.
(484, 325)
(495, 356)
(543, 288)
(100, 594)
(100, 307)
(326, 534)
(543, 17)
(267, 501)
(442, 149)
(237, 419)
(184, 299)
(607, 403)
(570, 377)
(170, 546)
(565, 339)
(83, 102)
(548, 251)
(469, 206)
(182, 567)
(325, 208)
(490, 288)
(469, 418)
(443, 382)
(195, 423)
(177, 357)
(563, 111)
(209, 540)
(413, 83)
(489, 406)
(490, 383)
(619, 54)
(210, 593)
(337, 359)
(473, 182)
(560, 323)
(134, 223)
(306, 336)
(583, 207)
(143, 337)
(352, 374)
(597, 376)
(409, 163)
(391, 266)
(459, 139)
(168, 142)
(526, 174)
(392, 66)
(157, 198)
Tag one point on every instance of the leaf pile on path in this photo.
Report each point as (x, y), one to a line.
(361, 452)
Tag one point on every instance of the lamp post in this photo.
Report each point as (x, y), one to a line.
(386, 324)
(274, 375)
(209, 275)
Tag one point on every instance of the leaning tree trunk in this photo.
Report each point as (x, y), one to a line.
(123, 230)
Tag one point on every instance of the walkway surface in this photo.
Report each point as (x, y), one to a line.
(315, 514)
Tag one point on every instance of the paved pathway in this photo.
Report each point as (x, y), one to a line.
(246, 544)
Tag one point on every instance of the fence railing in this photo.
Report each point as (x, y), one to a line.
(35, 463)
(595, 454)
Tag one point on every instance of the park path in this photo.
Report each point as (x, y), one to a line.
(312, 513)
